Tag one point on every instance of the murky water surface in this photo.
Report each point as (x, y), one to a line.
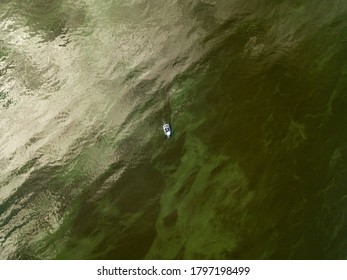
(256, 95)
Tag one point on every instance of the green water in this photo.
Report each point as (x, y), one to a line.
(255, 92)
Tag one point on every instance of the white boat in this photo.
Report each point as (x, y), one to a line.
(167, 130)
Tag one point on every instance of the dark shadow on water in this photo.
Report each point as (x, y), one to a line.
(120, 224)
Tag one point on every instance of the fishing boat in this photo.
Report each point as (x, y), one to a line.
(167, 130)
